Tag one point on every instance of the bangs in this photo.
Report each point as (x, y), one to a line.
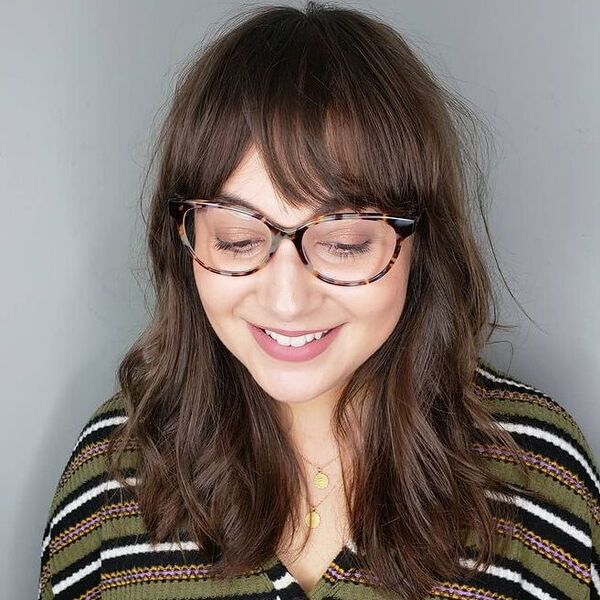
(332, 113)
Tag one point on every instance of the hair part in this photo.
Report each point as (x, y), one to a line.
(340, 109)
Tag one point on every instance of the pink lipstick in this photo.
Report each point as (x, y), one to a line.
(307, 352)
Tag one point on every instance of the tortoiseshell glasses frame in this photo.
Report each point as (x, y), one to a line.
(402, 226)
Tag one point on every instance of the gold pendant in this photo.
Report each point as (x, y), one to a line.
(321, 480)
(312, 518)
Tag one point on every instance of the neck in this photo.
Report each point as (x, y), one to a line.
(309, 425)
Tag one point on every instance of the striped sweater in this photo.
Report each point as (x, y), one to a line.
(95, 544)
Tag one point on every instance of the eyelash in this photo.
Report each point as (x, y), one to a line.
(233, 246)
(349, 249)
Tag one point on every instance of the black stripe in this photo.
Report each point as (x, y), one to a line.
(552, 451)
(84, 584)
(512, 588)
(76, 493)
(511, 383)
(553, 534)
(95, 437)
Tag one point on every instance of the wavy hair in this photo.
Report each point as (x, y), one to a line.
(340, 109)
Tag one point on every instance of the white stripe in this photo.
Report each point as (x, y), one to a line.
(595, 579)
(86, 497)
(119, 551)
(510, 575)
(284, 581)
(557, 441)
(546, 515)
(61, 586)
(510, 381)
(139, 548)
(76, 503)
(99, 425)
(45, 543)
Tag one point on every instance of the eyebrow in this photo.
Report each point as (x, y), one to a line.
(231, 199)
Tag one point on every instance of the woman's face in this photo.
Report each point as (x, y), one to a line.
(285, 295)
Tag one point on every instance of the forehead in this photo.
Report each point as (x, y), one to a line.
(249, 186)
(274, 212)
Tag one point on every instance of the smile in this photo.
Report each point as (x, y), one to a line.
(296, 341)
(297, 348)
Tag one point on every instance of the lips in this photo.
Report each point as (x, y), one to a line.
(294, 333)
(306, 352)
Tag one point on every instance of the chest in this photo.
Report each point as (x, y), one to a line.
(308, 565)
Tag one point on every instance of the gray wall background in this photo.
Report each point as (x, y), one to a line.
(81, 87)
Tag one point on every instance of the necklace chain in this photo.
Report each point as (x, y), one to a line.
(320, 481)
(317, 466)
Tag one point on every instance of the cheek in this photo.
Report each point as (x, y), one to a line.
(395, 285)
(205, 287)
(380, 304)
(217, 296)
(373, 316)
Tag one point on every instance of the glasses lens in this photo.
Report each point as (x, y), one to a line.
(346, 250)
(227, 240)
(350, 249)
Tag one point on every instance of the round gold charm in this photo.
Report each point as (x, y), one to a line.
(312, 519)
(321, 480)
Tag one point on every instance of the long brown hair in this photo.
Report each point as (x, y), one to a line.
(341, 108)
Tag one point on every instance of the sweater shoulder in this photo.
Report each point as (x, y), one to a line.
(523, 408)
(551, 441)
(87, 463)
(72, 534)
(562, 472)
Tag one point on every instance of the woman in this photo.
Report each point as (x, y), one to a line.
(306, 415)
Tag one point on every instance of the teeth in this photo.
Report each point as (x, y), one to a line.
(298, 341)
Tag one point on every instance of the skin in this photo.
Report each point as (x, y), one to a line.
(284, 294)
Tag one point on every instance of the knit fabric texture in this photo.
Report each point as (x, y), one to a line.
(95, 545)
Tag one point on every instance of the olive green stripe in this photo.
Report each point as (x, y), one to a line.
(501, 407)
(94, 467)
(549, 571)
(550, 489)
(47, 592)
(124, 526)
(538, 564)
(346, 590)
(84, 546)
(183, 590)
(114, 403)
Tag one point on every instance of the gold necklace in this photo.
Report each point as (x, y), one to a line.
(313, 517)
(320, 480)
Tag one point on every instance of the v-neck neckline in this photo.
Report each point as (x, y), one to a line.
(288, 588)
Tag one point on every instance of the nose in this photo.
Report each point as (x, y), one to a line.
(286, 284)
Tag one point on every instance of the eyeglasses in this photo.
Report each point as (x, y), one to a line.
(347, 248)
